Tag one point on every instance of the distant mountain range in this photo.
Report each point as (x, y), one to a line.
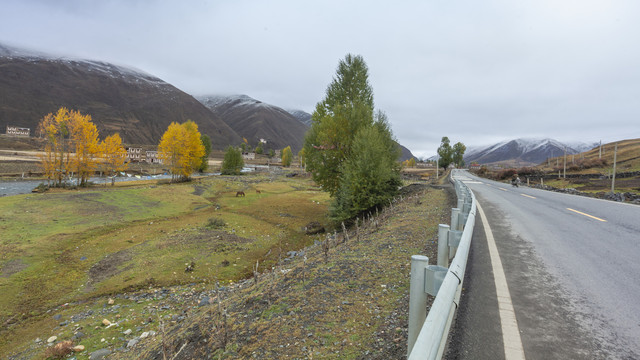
(119, 99)
(136, 104)
(255, 120)
(522, 152)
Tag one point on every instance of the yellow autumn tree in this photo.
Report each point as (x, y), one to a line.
(193, 148)
(114, 156)
(56, 161)
(84, 139)
(181, 149)
(71, 146)
(48, 163)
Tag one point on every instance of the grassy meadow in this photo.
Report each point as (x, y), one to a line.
(65, 247)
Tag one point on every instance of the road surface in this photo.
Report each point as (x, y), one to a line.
(572, 266)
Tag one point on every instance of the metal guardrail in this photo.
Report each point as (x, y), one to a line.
(428, 333)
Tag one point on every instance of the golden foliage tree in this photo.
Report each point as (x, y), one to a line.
(181, 149)
(409, 163)
(84, 139)
(71, 146)
(113, 156)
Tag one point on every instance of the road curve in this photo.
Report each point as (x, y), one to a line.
(573, 268)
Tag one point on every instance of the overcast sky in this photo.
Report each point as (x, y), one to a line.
(476, 71)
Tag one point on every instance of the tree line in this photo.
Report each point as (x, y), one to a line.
(72, 148)
(448, 154)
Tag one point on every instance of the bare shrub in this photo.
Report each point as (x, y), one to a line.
(506, 174)
(216, 223)
(59, 350)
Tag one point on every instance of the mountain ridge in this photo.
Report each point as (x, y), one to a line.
(255, 120)
(522, 151)
(120, 99)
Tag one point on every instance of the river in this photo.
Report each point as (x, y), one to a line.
(23, 186)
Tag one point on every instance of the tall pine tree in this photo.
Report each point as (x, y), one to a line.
(352, 156)
(347, 107)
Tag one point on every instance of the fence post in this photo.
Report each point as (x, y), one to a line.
(417, 299)
(443, 245)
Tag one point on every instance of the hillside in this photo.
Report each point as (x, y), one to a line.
(138, 105)
(255, 120)
(592, 161)
(520, 152)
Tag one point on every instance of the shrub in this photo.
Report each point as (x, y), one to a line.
(528, 171)
(59, 350)
(216, 223)
(506, 174)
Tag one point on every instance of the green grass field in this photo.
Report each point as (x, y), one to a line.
(68, 246)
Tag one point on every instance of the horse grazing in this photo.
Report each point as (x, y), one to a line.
(240, 193)
(258, 191)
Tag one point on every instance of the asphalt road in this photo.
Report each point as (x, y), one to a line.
(572, 266)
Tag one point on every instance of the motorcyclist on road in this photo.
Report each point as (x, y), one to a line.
(515, 180)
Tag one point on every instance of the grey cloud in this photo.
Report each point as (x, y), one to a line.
(477, 72)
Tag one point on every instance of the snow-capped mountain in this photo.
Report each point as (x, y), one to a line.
(111, 70)
(521, 151)
(120, 99)
(301, 115)
(255, 120)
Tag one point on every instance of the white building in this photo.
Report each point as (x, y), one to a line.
(18, 131)
(134, 154)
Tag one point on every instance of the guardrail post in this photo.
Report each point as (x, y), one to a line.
(417, 298)
(455, 223)
(443, 245)
(434, 275)
(454, 241)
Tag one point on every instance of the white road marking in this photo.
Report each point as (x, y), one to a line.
(529, 196)
(587, 215)
(510, 332)
(503, 189)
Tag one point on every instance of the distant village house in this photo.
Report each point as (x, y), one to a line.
(152, 157)
(18, 131)
(134, 154)
(249, 156)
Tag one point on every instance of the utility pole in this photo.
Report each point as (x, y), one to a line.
(613, 177)
(564, 173)
(600, 156)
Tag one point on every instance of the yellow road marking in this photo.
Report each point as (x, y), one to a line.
(529, 196)
(587, 215)
(503, 189)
